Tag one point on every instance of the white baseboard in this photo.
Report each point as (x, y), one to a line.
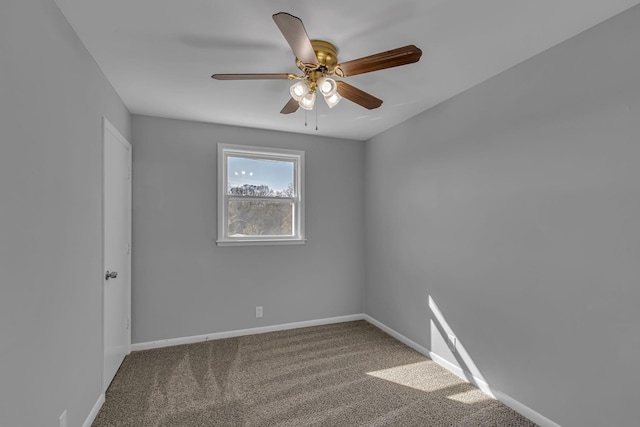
(534, 416)
(463, 374)
(397, 335)
(241, 332)
(94, 411)
(517, 406)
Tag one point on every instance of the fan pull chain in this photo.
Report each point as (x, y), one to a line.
(305, 117)
(316, 118)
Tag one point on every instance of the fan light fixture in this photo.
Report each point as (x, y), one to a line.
(333, 100)
(299, 90)
(308, 101)
(305, 92)
(327, 86)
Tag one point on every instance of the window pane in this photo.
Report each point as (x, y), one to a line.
(260, 218)
(260, 177)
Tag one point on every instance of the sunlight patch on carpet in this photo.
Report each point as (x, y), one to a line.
(470, 397)
(420, 376)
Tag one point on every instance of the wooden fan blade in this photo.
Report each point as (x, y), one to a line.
(358, 96)
(293, 30)
(291, 107)
(253, 76)
(391, 58)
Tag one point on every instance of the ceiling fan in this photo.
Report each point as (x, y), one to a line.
(318, 61)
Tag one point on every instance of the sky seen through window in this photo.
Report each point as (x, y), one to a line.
(276, 174)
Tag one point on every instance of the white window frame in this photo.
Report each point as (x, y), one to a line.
(233, 150)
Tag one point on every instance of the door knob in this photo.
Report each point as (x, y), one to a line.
(111, 275)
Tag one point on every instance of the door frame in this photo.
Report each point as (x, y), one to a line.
(108, 127)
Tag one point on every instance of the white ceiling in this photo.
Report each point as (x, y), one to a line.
(159, 54)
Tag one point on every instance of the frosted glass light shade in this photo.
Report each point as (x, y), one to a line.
(299, 89)
(333, 100)
(308, 101)
(327, 86)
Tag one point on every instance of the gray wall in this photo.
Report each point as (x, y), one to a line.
(516, 206)
(52, 99)
(184, 285)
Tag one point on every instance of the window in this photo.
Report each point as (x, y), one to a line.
(260, 195)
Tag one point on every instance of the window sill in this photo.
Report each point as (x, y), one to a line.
(260, 242)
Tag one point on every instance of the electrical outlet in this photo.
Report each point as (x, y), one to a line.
(62, 421)
(259, 311)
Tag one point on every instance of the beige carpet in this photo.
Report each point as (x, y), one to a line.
(346, 374)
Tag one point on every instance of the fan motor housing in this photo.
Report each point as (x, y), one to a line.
(327, 55)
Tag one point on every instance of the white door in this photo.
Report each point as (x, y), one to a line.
(116, 274)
